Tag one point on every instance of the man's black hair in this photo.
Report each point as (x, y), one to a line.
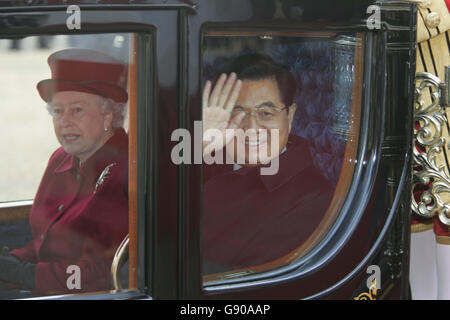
(255, 66)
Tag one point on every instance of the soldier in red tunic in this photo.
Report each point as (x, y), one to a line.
(80, 212)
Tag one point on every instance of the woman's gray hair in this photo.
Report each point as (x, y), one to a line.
(119, 111)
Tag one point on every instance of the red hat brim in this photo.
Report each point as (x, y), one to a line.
(47, 88)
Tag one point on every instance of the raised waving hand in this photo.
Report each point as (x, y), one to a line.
(217, 107)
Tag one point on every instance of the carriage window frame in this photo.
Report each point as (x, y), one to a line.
(363, 170)
(139, 136)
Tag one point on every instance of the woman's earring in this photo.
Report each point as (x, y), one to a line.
(106, 129)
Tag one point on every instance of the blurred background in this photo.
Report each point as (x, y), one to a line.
(27, 139)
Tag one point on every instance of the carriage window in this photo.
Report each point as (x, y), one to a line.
(280, 132)
(65, 139)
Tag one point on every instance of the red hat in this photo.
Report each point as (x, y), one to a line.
(87, 71)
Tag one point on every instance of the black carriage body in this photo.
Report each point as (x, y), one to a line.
(374, 221)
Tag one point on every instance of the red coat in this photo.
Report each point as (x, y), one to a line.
(73, 222)
(251, 219)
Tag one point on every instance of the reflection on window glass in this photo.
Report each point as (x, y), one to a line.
(64, 146)
(277, 124)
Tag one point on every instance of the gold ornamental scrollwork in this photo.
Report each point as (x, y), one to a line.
(430, 119)
(371, 295)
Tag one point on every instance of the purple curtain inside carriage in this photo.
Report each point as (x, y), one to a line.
(323, 72)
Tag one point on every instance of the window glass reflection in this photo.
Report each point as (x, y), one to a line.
(79, 214)
(285, 101)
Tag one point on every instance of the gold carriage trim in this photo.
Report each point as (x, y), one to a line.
(371, 295)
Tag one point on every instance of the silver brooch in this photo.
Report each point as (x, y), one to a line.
(103, 176)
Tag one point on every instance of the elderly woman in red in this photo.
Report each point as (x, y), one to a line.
(80, 212)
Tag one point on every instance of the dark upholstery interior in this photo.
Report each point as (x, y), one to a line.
(15, 235)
